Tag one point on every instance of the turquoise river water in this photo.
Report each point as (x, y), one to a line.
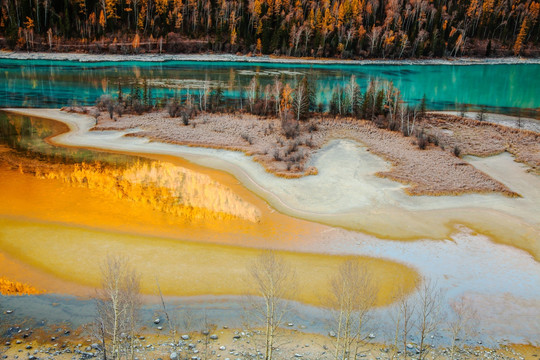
(502, 88)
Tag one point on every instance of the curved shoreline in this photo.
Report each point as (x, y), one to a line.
(90, 58)
(498, 268)
(366, 203)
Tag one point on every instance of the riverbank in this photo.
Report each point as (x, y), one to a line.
(241, 343)
(515, 122)
(435, 170)
(85, 57)
(346, 192)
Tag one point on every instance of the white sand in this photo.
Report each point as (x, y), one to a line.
(23, 55)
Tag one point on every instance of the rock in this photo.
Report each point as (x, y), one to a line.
(18, 342)
(332, 334)
(95, 346)
(28, 347)
(7, 343)
(236, 337)
(213, 337)
(9, 312)
(160, 327)
(409, 346)
(88, 348)
(185, 337)
(371, 336)
(195, 351)
(290, 324)
(194, 358)
(174, 356)
(205, 332)
(157, 321)
(297, 355)
(222, 348)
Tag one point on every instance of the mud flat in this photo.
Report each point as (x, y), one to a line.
(347, 193)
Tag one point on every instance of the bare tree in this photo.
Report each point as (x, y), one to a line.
(118, 306)
(463, 324)
(277, 89)
(273, 280)
(403, 321)
(352, 298)
(429, 313)
(251, 91)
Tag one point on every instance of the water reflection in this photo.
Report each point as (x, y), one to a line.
(162, 186)
(39, 83)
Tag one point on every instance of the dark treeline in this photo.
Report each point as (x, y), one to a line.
(325, 28)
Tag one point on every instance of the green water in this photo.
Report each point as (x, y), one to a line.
(26, 135)
(501, 88)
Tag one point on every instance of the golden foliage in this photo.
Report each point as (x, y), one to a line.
(521, 37)
(8, 287)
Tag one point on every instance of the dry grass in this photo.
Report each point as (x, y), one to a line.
(479, 138)
(434, 171)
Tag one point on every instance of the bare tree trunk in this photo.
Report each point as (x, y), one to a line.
(273, 279)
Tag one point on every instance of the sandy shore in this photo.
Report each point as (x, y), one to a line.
(427, 172)
(347, 192)
(505, 120)
(82, 57)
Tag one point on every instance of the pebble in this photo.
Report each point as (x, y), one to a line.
(160, 327)
(332, 334)
(371, 336)
(157, 321)
(297, 355)
(174, 356)
(185, 337)
(214, 337)
(9, 312)
(222, 348)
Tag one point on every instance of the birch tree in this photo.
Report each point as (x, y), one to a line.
(118, 307)
(353, 295)
(273, 280)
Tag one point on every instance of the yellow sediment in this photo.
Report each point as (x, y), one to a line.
(54, 234)
(183, 268)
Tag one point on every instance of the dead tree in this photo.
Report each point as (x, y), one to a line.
(273, 280)
(462, 324)
(118, 306)
(353, 295)
(429, 314)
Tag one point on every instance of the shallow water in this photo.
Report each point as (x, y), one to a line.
(502, 88)
(493, 277)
